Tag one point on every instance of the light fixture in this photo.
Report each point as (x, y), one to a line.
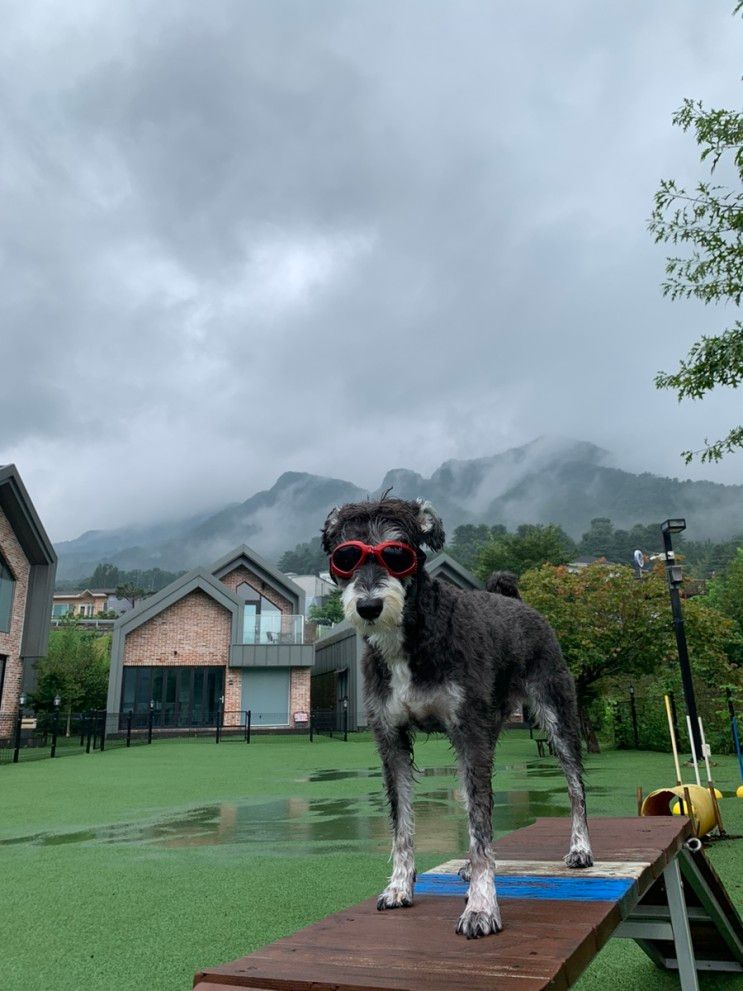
(673, 526)
(57, 701)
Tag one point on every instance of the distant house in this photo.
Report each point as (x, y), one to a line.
(337, 672)
(88, 603)
(27, 567)
(317, 588)
(229, 636)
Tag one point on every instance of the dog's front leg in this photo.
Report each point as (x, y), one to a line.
(395, 749)
(481, 917)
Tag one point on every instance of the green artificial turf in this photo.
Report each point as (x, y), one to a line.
(134, 868)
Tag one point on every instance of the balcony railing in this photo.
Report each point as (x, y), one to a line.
(274, 630)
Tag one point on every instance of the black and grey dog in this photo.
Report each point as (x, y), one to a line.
(442, 659)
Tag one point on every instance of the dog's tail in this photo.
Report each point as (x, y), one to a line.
(503, 583)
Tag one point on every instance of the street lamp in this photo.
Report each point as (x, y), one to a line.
(57, 701)
(675, 579)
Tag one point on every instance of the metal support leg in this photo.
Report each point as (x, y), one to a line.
(680, 923)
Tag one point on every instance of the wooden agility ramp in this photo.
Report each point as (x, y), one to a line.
(646, 885)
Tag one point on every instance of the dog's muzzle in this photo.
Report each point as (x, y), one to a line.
(369, 609)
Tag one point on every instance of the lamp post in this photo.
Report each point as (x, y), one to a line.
(675, 579)
(55, 724)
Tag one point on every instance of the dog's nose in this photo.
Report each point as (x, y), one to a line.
(369, 608)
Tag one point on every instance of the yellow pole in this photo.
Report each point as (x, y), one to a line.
(673, 739)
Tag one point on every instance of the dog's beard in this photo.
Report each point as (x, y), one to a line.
(392, 593)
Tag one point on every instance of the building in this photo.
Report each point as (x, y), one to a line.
(317, 588)
(88, 603)
(28, 565)
(231, 637)
(337, 672)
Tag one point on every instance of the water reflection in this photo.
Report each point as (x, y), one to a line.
(301, 826)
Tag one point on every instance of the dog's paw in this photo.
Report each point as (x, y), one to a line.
(395, 898)
(465, 872)
(476, 924)
(579, 858)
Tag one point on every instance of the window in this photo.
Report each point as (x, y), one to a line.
(261, 618)
(7, 585)
(181, 696)
(60, 609)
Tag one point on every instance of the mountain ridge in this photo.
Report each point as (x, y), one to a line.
(546, 481)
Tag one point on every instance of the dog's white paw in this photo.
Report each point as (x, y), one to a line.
(580, 857)
(394, 897)
(475, 924)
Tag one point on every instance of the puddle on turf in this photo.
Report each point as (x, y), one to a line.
(301, 826)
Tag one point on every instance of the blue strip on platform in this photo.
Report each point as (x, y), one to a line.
(571, 889)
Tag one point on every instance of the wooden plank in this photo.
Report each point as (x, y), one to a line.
(549, 935)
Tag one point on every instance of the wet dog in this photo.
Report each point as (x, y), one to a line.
(439, 659)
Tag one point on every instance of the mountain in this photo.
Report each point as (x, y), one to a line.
(547, 481)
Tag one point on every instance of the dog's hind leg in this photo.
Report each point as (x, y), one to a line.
(553, 703)
(482, 915)
(396, 751)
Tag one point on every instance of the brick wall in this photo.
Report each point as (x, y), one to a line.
(299, 691)
(234, 578)
(195, 630)
(10, 642)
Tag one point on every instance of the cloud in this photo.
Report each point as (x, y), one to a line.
(247, 237)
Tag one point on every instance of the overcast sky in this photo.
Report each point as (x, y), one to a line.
(244, 237)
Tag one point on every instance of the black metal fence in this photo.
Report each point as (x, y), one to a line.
(34, 736)
(639, 719)
(330, 722)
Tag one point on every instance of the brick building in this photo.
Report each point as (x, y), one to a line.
(28, 565)
(232, 636)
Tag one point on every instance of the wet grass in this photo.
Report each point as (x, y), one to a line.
(133, 869)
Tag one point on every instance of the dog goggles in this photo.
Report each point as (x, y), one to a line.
(396, 558)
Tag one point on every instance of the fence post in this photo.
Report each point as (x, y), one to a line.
(633, 711)
(149, 725)
(312, 729)
(89, 737)
(129, 729)
(55, 730)
(17, 741)
(248, 717)
(103, 715)
(219, 725)
(345, 725)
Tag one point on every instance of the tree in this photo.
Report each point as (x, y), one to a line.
(131, 592)
(305, 559)
(709, 221)
(75, 668)
(726, 592)
(532, 545)
(469, 539)
(608, 623)
(614, 629)
(330, 612)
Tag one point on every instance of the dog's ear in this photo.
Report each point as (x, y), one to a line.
(430, 525)
(329, 529)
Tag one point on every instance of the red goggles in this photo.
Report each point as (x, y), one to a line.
(395, 557)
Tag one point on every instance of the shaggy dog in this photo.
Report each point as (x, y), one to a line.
(439, 659)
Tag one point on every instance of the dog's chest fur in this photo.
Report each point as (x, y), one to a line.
(408, 702)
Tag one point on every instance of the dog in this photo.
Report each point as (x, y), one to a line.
(439, 659)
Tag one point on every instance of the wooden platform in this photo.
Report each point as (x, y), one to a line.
(555, 921)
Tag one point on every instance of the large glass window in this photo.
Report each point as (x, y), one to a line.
(262, 620)
(60, 609)
(7, 585)
(186, 696)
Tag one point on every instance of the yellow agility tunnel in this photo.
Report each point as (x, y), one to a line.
(658, 803)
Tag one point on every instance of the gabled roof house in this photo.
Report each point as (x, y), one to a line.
(28, 564)
(230, 636)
